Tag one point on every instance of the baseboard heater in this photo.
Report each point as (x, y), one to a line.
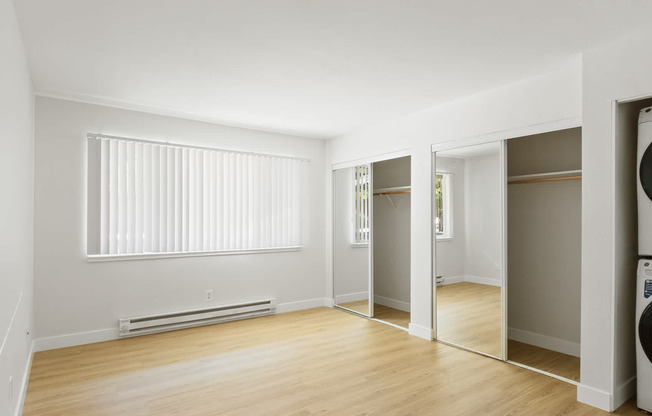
(142, 325)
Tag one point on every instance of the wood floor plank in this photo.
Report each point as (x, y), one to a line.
(553, 362)
(314, 362)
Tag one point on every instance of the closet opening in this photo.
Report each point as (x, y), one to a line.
(371, 240)
(544, 217)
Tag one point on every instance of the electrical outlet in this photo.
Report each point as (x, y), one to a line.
(11, 388)
(209, 295)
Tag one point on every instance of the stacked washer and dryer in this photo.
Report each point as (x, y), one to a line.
(644, 271)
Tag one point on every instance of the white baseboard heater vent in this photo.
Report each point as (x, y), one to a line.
(142, 325)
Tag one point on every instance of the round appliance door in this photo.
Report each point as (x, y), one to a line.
(645, 171)
(645, 331)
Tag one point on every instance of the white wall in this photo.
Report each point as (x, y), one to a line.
(613, 72)
(483, 214)
(391, 234)
(544, 246)
(521, 105)
(16, 210)
(73, 296)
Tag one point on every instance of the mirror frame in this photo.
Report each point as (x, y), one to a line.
(370, 258)
(350, 164)
(451, 145)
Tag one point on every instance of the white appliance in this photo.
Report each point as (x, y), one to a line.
(644, 179)
(644, 334)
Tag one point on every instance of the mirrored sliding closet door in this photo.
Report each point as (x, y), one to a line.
(469, 249)
(352, 219)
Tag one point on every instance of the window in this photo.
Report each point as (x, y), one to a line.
(148, 198)
(443, 205)
(361, 204)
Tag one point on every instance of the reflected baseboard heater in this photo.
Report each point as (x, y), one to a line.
(142, 325)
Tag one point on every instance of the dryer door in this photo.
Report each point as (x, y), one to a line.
(645, 171)
(645, 331)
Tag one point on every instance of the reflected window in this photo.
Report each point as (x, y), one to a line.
(443, 214)
(361, 205)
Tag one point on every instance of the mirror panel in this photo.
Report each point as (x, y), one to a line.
(351, 238)
(469, 250)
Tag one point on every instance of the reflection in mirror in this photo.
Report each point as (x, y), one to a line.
(469, 247)
(351, 236)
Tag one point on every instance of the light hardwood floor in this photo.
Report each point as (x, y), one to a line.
(314, 362)
(469, 314)
(381, 312)
(551, 361)
(360, 306)
(391, 315)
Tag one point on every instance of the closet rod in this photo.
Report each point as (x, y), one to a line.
(563, 178)
(392, 193)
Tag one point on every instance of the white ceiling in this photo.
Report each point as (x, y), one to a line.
(316, 68)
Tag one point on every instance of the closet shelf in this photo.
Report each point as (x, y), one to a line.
(545, 177)
(392, 191)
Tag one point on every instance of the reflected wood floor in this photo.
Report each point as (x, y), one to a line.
(381, 312)
(469, 314)
(547, 360)
(315, 362)
(361, 306)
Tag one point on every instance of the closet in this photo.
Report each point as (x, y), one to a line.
(371, 240)
(544, 215)
(391, 241)
(507, 230)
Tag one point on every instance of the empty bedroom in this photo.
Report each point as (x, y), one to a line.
(321, 207)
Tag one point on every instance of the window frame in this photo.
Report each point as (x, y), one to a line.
(93, 206)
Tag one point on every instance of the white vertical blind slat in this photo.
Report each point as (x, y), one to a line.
(131, 199)
(185, 216)
(138, 195)
(105, 207)
(147, 198)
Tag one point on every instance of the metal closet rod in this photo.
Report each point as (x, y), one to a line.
(563, 178)
(392, 193)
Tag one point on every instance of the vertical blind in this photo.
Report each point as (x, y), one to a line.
(161, 198)
(361, 201)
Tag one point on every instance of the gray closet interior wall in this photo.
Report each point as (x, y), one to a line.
(391, 225)
(544, 242)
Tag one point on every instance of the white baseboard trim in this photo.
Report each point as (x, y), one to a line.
(23, 386)
(624, 392)
(594, 397)
(421, 332)
(108, 334)
(302, 304)
(450, 280)
(78, 338)
(392, 303)
(545, 341)
(351, 297)
(483, 280)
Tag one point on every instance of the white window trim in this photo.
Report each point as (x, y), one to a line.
(101, 258)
